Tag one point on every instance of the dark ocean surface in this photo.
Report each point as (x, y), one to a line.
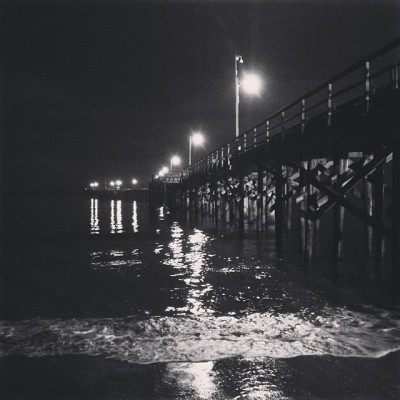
(198, 311)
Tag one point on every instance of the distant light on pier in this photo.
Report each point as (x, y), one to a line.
(163, 171)
(196, 139)
(175, 161)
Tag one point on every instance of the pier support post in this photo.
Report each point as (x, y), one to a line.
(379, 210)
(241, 200)
(278, 207)
(309, 240)
(396, 215)
(338, 214)
(260, 177)
(216, 204)
(196, 202)
(368, 209)
(289, 201)
(303, 206)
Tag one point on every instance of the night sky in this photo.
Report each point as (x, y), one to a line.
(106, 89)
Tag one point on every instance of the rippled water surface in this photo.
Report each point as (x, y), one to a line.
(84, 276)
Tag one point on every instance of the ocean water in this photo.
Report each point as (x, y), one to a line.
(107, 278)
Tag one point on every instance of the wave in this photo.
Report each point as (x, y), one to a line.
(337, 332)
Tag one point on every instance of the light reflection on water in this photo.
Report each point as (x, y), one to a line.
(135, 224)
(196, 379)
(203, 380)
(116, 216)
(117, 210)
(231, 303)
(94, 217)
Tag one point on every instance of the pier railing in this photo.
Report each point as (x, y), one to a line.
(356, 85)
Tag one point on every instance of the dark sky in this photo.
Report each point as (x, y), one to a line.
(95, 89)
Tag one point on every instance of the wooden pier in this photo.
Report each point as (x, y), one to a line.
(336, 148)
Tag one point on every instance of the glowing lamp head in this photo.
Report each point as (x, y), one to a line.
(134, 181)
(251, 84)
(197, 139)
(175, 160)
(118, 183)
(112, 183)
(163, 171)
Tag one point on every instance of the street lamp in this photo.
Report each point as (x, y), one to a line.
(251, 84)
(197, 139)
(118, 183)
(112, 184)
(175, 160)
(134, 181)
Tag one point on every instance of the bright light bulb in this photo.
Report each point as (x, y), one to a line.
(251, 84)
(175, 160)
(197, 139)
(134, 181)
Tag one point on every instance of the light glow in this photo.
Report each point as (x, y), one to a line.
(163, 171)
(251, 84)
(197, 139)
(175, 160)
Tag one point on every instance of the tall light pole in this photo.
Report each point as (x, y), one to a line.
(251, 84)
(238, 60)
(197, 138)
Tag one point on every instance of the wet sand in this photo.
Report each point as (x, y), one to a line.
(311, 377)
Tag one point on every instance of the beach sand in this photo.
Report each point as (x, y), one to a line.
(308, 377)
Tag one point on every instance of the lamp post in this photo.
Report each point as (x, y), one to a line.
(238, 60)
(251, 84)
(197, 139)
